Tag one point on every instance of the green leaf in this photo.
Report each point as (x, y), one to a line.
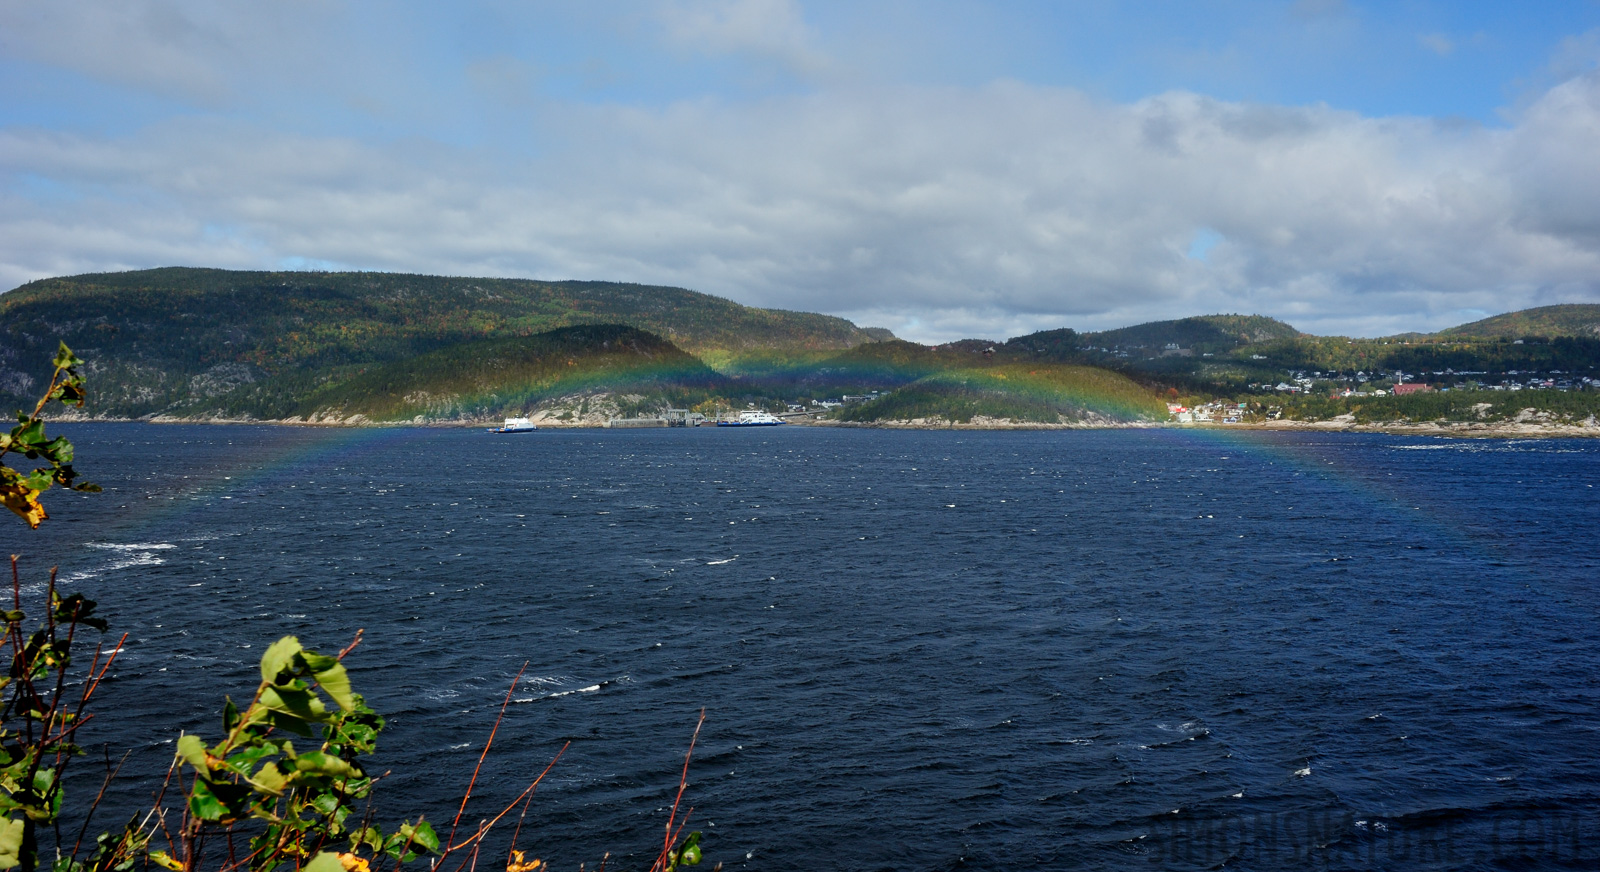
(65, 359)
(27, 434)
(326, 861)
(193, 751)
(278, 657)
(78, 608)
(334, 680)
(689, 854)
(45, 787)
(244, 762)
(270, 779)
(204, 805)
(166, 861)
(422, 835)
(230, 714)
(326, 804)
(289, 722)
(370, 837)
(11, 843)
(324, 764)
(302, 704)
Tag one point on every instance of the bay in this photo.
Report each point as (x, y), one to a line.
(915, 650)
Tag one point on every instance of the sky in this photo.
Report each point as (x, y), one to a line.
(943, 168)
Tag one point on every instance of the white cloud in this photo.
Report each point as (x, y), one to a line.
(939, 213)
(189, 51)
(774, 29)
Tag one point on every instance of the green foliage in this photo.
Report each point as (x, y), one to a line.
(287, 775)
(686, 854)
(20, 491)
(308, 799)
(42, 711)
(303, 803)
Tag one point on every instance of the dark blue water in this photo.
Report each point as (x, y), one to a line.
(915, 650)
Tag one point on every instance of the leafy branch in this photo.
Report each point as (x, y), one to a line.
(40, 718)
(20, 491)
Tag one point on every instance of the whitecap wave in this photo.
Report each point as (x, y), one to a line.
(593, 688)
(126, 556)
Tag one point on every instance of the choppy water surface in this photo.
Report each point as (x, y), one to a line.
(916, 650)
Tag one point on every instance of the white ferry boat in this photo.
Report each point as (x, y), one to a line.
(515, 425)
(753, 419)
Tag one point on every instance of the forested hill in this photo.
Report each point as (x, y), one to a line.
(1572, 319)
(1210, 332)
(173, 338)
(349, 317)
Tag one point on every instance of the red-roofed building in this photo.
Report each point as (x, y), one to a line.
(1402, 390)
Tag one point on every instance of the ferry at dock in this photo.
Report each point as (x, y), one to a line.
(753, 419)
(515, 425)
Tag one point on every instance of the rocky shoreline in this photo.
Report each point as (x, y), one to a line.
(1448, 429)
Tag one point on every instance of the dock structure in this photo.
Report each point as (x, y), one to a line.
(683, 418)
(669, 418)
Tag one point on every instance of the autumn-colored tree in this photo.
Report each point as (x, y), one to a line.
(20, 491)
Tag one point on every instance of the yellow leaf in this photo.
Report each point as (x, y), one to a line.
(25, 502)
(166, 861)
(517, 863)
(325, 861)
(352, 863)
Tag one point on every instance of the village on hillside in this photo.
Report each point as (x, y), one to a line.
(1362, 384)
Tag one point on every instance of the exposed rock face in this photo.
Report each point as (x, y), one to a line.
(221, 379)
(16, 382)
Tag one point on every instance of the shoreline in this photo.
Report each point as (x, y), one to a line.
(1443, 429)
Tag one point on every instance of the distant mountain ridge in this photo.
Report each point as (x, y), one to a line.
(1208, 332)
(381, 347)
(190, 341)
(405, 307)
(1570, 319)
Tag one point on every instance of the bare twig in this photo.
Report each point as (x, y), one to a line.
(526, 793)
(353, 643)
(486, 746)
(683, 782)
(517, 833)
(111, 775)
